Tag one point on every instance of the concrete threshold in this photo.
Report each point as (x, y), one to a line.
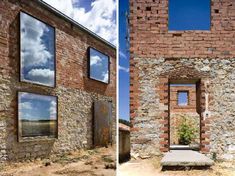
(184, 147)
(186, 158)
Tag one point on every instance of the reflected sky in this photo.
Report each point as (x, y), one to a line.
(37, 51)
(99, 66)
(37, 107)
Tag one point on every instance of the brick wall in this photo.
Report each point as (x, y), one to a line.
(190, 107)
(76, 92)
(149, 35)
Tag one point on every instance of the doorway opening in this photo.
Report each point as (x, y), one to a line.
(184, 114)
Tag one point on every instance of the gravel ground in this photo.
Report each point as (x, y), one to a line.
(97, 162)
(152, 167)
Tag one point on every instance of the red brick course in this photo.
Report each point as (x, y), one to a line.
(149, 35)
(191, 107)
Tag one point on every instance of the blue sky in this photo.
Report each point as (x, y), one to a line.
(182, 98)
(98, 16)
(189, 14)
(123, 62)
(37, 107)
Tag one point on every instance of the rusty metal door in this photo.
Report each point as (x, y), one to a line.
(102, 120)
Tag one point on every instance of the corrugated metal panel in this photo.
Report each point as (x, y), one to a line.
(102, 123)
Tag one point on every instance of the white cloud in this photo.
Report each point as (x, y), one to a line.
(122, 55)
(123, 69)
(95, 60)
(42, 76)
(24, 115)
(105, 76)
(183, 104)
(53, 110)
(33, 49)
(100, 19)
(25, 105)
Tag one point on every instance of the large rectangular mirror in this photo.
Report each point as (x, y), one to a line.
(37, 51)
(98, 65)
(37, 115)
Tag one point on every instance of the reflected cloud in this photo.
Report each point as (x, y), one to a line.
(33, 48)
(37, 115)
(105, 76)
(99, 66)
(53, 110)
(95, 60)
(42, 75)
(37, 49)
(25, 105)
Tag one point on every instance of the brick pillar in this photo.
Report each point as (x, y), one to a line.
(163, 91)
(205, 123)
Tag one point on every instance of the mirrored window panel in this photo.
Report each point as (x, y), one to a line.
(98, 66)
(37, 51)
(37, 115)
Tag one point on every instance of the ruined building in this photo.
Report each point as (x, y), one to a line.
(168, 62)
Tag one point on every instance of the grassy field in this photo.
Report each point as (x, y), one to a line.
(38, 128)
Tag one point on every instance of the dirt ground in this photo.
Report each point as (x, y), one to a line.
(152, 167)
(97, 162)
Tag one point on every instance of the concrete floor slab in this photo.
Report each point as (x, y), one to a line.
(185, 158)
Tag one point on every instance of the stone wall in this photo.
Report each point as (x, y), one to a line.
(149, 112)
(158, 55)
(76, 92)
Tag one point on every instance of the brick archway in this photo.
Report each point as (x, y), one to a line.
(184, 75)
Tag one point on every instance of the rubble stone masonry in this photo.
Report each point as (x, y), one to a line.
(159, 56)
(76, 92)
